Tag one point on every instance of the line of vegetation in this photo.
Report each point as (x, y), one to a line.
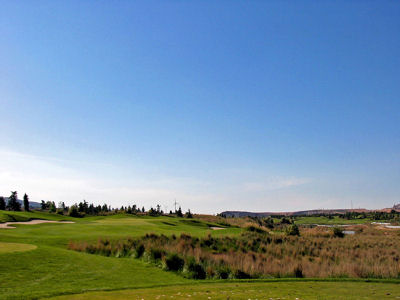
(83, 208)
(257, 254)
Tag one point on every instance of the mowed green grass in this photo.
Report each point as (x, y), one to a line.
(51, 269)
(257, 290)
(15, 247)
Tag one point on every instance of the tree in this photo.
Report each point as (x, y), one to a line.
(2, 203)
(26, 202)
(73, 211)
(52, 207)
(189, 215)
(43, 205)
(13, 203)
(179, 212)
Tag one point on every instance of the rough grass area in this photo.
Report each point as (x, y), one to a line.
(15, 247)
(258, 290)
(258, 254)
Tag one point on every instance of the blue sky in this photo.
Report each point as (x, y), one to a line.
(228, 105)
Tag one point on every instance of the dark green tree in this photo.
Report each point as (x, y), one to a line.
(2, 203)
(26, 202)
(13, 203)
(189, 215)
(52, 207)
(179, 212)
(73, 211)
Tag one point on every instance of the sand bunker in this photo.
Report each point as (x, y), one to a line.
(31, 222)
(217, 228)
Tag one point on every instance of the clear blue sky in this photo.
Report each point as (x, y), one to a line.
(261, 105)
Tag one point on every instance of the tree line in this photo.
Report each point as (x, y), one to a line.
(84, 208)
(13, 204)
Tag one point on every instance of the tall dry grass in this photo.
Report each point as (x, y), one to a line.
(370, 253)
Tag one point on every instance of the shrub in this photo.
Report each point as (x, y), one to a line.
(338, 232)
(298, 272)
(293, 230)
(223, 272)
(194, 270)
(173, 262)
(139, 250)
(255, 229)
(239, 274)
(156, 254)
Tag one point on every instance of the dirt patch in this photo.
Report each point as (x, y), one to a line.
(31, 222)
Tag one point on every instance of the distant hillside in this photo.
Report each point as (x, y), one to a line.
(293, 213)
(32, 204)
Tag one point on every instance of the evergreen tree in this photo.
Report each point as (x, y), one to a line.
(26, 202)
(179, 212)
(13, 204)
(43, 205)
(52, 207)
(189, 215)
(2, 203)
(73, 211)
